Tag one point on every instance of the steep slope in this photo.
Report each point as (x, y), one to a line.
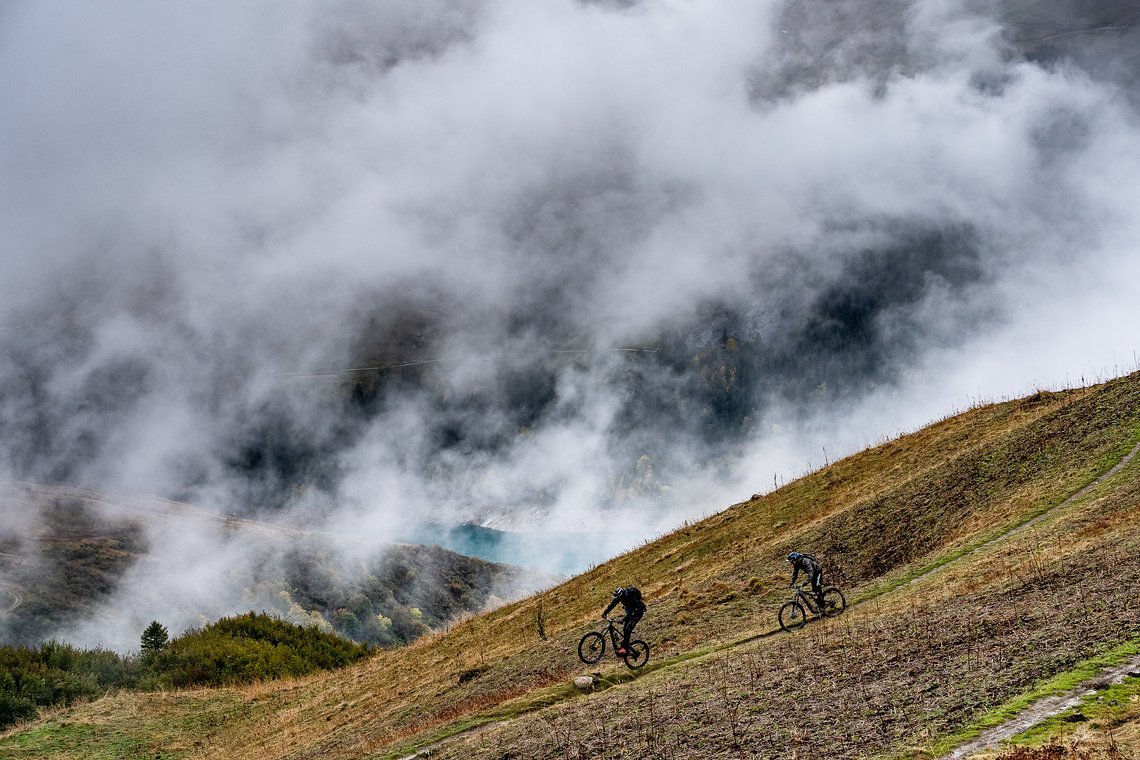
(954, 612)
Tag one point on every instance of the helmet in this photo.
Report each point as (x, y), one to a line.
(793, 556)
(618, 591)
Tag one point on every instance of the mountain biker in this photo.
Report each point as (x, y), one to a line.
(814, 570)
(630, 599)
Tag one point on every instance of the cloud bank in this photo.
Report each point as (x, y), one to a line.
(562, 264)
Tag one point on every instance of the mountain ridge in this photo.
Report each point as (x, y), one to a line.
(78, 555)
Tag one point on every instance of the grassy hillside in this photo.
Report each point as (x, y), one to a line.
(976, 565)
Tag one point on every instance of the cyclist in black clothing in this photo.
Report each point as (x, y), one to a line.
(630, 599)
(811, 566)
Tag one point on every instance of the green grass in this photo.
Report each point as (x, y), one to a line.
(1061, 683)
(185, 723)
(1105, 707)
(69, 738)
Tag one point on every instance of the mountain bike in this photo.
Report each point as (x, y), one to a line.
(593, 646)
(793, 614)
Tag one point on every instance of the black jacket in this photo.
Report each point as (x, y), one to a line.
(630, 600)
(807, 563)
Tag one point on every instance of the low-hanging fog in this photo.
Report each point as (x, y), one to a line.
(557, 265)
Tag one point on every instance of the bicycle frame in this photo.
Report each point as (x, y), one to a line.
(806, 600)
(793, 613)
(614, 634)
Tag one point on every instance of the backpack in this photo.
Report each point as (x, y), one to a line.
(632, 595)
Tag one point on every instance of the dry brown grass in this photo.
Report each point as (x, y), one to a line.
(917, 661)
(1102, 749)
(891, 674)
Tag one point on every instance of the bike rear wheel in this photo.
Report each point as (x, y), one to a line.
(637, 654)
(833, 601)
(591, 647)
(792, 616)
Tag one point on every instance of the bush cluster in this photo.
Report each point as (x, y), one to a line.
(57, 674)
(250, 647)
(240, 649)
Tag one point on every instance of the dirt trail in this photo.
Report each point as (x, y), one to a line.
(1035, 713)
(1049, 706)
(1030, 523)
(429, 750)
(1078, 495)
(1044, 709)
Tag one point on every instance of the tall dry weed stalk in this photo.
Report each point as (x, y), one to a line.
(540, 620)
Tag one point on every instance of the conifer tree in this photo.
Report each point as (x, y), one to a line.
(154, 637)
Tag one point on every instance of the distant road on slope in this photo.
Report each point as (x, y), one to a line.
(10, 590)
(17, 600)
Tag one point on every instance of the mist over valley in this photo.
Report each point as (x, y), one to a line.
(565, 275)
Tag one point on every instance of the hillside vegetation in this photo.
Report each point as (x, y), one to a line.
(242, 649)
(77, 549)
(978, 564)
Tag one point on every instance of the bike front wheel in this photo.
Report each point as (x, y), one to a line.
(833, 601)
(591, 647)
(792, 616)
(637, 654)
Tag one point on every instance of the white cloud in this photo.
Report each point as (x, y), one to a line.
(211, 193)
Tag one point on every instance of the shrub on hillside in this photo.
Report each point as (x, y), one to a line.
(57, 674)
(250, 647)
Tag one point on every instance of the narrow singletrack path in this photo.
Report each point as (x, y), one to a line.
(1018, 529)
(1047, 707)
(1078, 495)
(425, 751)
(1043, 709)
